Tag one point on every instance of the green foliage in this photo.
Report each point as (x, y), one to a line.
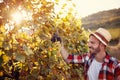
(37, 57)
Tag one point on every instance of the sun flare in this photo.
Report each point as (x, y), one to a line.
(21, 15)
(17, 17)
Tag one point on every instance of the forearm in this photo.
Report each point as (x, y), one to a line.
(70, 58)
(64, 53)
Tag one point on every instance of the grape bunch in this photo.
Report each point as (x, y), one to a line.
(55, 38)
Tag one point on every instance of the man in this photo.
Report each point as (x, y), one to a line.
(98, 64)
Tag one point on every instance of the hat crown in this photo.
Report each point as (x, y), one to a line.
(103, 32)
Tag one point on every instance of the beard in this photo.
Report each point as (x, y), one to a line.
(94, 51)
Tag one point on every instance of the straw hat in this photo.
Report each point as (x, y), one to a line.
(102, 34)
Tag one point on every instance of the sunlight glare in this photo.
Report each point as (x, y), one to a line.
(17, 17)
(1, 1)
(21, 15)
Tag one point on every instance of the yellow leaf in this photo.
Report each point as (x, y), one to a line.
(56, 0)
(5, 58)
(2, 29)
(1, 73)
(64, 6)
(49, 54)
(36, 63)
(1, 52)
(1, 44)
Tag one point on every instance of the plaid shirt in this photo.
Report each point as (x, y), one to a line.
(110, 67)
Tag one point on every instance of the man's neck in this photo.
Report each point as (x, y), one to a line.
(100, 56)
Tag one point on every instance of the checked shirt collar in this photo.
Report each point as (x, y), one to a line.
(104, 69)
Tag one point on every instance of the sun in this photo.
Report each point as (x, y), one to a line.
(17, 17)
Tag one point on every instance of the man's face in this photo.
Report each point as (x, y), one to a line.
(94, 45)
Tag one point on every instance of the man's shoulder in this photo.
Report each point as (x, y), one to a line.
(113, 60)
(87, 56)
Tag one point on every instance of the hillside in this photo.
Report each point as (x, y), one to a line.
(110, 20)
(107, 19)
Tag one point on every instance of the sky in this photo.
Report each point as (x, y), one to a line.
(87, 7)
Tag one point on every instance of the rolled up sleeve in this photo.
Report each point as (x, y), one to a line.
(75, 59)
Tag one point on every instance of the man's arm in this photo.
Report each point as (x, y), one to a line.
(71, 58)
(64, 53)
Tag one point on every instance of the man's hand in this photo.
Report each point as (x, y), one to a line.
(55, 38)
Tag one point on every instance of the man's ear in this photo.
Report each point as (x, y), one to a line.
(102, 45)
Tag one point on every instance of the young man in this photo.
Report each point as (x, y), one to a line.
(98, 64)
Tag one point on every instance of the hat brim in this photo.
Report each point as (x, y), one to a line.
(92, 33)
